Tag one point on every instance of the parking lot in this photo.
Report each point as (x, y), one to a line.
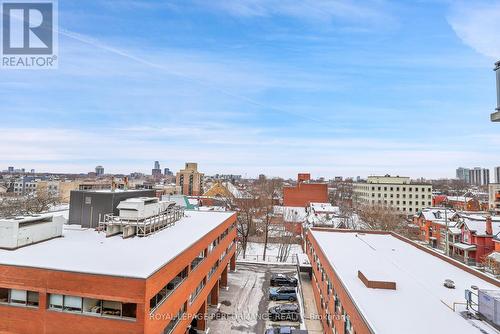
(244, 304)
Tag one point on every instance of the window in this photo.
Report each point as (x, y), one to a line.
(168, 289)
(92, 306)
(19, 297)
(197, 260)
(72, 304)
(175, 320)
(198, 290)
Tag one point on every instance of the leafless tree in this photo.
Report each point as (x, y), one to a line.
(38, 202)
(268, 193)
(384, 218)
(285, 246)
(247, 211)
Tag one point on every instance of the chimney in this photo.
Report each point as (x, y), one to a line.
(489, 227)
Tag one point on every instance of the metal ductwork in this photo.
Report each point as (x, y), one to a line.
(495, 117)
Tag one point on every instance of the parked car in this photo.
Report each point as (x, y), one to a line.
(283, 280)
(283, 293)
(289, 312)
(285, 330)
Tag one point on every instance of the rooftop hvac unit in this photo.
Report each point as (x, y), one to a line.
(489, 305)
(141, 208)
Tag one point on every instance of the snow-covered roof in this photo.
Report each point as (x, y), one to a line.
(438, 214)
(324, 208)
(291, 214)
(463, 246)
(479, 226)
(87, 251)
(419, 278)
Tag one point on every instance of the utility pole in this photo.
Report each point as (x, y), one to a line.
(495, 117)
(446, 223)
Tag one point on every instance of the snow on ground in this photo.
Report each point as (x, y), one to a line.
(239, 304)
(255, 252)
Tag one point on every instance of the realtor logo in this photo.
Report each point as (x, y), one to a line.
(29, 37)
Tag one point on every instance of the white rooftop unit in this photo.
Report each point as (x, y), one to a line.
(22, 231)
(489, 305)
(141, 216)
(140, 208)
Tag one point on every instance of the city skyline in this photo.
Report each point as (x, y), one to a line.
(261, 87)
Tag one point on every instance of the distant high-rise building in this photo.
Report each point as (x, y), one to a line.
(485, 176)
(99, 170)
(190, 180)
(32, 171)
(463, 174)
(10, 169)
(156, 172)
(479, 176)
(475, 176)
(497, 174)
(167, 172)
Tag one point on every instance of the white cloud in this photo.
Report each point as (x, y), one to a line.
(477, 24)
(325, 10)
(230, 149)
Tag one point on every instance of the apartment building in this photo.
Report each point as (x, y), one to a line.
(380, 283)
(395, 191)
(85, 282)
(190, 180)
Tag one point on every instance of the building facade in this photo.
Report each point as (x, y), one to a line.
(494, 197)
(99, 171)
(167, 292)
(190, 180)
(363, 281)
(463, 174)
(305, 192)
(394, 191)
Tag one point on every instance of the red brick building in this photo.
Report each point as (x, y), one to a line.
(477, 238)
(86, 283)
(305, 192)
(368, 282)
(432, 223)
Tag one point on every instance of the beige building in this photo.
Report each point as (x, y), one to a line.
(395, 191)
(190, 180)
(494, 197)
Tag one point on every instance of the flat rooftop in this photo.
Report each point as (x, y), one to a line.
(418, 304)
(87, 251)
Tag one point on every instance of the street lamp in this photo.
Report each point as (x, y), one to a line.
(495, 117)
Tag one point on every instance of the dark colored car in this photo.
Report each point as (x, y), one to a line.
(283, 280)
(289, 312)
(283, 293)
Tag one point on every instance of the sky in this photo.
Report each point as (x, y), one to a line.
(330, 87)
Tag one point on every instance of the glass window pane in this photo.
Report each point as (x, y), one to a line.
(18, 296)
(4, 295)
(32, 298)
(91, 306)
(55, 301)
(72, 303)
